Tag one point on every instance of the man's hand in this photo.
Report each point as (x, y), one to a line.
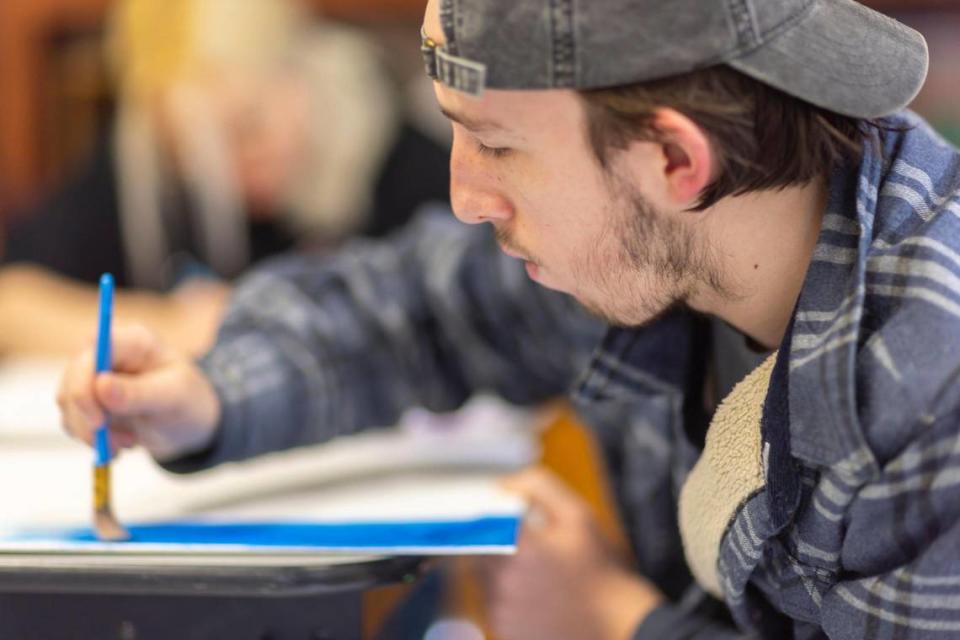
(155, 397)
(566, 581)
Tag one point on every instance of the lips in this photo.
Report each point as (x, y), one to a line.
(533, 271)
(512, 254)
(532, 268)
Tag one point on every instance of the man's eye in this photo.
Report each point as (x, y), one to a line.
(495, 152)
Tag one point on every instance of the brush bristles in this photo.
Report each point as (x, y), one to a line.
(105, 525)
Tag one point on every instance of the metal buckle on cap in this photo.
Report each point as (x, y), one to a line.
(457, 73)
(428, 48)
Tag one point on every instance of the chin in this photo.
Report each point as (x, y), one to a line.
(627, 318)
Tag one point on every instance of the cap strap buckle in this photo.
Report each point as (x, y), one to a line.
(457, 73)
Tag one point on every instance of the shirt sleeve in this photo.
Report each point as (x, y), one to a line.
(315, 347)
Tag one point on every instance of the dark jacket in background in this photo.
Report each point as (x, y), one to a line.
(75, 230)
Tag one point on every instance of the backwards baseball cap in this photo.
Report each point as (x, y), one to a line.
(836, 54)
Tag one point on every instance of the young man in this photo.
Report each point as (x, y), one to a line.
(648, 158)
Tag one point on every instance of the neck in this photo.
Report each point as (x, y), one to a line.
(763, 243)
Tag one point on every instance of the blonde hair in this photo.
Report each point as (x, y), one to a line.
(165, 53)
(152, 44)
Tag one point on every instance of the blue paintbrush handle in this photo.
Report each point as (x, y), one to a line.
(102, 437)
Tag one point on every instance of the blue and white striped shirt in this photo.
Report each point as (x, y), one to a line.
(856, 530)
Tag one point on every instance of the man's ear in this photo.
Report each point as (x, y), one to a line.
(687, 162)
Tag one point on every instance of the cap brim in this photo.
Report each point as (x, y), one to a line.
(843, 57)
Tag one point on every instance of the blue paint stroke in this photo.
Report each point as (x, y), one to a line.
(479, 532)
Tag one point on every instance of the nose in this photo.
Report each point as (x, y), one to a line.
(475, 191)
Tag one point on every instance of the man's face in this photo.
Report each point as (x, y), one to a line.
(521, 160)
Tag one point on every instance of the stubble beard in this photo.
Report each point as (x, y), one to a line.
(644, 264)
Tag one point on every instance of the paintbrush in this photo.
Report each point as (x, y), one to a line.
(104, 523)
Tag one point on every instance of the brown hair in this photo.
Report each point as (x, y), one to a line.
(762, 138)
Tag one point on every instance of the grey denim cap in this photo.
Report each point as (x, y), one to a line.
(836, 54)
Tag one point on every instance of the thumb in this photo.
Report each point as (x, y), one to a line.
(546, 493)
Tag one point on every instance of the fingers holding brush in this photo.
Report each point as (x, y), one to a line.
(86, 397)
(154, 396)
(80, 411)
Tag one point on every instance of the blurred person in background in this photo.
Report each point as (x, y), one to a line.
(242, 130)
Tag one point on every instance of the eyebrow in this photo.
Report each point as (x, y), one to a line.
(472, 124)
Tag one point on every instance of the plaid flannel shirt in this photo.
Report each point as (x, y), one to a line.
(856, 531)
